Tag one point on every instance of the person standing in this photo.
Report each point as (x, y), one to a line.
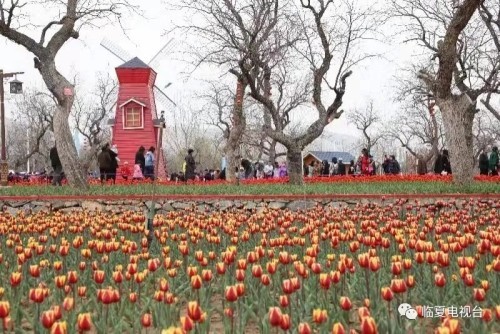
(104, 160)
(484, 164)
(341, 168)
(113, 153)
(190, 165)
(140, 159)
(446, 162)
(364, 162)
(57, 166)
(393, 166)
(494, 161)
(149, 164)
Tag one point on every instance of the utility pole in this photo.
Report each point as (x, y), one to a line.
(152, 206)
(16, 88)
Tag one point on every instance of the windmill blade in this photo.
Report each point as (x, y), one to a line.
(164, 99)
(155, 61)
(116, 50)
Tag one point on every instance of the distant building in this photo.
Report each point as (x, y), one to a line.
(319, 156)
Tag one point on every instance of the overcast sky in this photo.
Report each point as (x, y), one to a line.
(84, 57)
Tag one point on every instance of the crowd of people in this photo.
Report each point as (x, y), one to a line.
(489, 165)
(144, 166)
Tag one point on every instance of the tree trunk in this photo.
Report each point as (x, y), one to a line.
(272, 150)
(238, 128)
(295, 164)
(67, 150)
(458, 117)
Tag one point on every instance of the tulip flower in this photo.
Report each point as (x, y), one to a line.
(285, 322)
(240, 275)
(35, 271)
(387, 294)
(84, 322)
(345, 303)
(187, 323)
(206, 274)
(396, 268)
(15, 279)
(196, 282)
(304, 328)
(284, 301)
(146, 320)
(479, 294)
(452, 324)
(82, 291)
(275, 316)
(228, 312)
(72, 277)
(368, 326)
(240, 289)
(271, 267)
(265, 279)
(194, 311)
(287, 287)
(231, 293)
(338, 328)
(440, 280)
(57, 312)
(99, 276)
(319, 316)
(257, 271)
(59, 327)
(68, 303)
(37, 295)
(485, 285)
(398, 285)
(60, 281)
(4, 309)
(47, 319)
(374, 263)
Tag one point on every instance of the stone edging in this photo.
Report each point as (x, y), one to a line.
(164, 205)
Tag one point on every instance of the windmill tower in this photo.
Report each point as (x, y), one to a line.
(137, 120)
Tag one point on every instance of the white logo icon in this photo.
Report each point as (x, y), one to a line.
(406, 310)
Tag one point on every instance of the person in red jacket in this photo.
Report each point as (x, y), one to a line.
(125, 171)
(364, 162)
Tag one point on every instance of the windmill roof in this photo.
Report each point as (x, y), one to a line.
(134, 63)
(320, 155)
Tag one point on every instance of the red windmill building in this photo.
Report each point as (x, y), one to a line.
(137, 120)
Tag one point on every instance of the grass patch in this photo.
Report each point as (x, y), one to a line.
(260, 189)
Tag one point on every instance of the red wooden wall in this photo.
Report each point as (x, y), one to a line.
(136, 83)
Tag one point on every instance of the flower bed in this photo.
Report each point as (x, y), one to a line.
(333, 179)
(324, 269)
(406, 184)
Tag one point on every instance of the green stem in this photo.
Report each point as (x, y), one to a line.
(367, 284)
(389, 323)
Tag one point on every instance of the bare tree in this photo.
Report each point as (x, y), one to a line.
(465, 67)
(271, 39)
(418, 127)
(490, 14)
(366, 120)
(31, 131)
(486, 133)
(64, 20)
(224, 45)
(188, 130)
(90, 115)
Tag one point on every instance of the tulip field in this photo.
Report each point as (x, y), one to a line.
(322, 270)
